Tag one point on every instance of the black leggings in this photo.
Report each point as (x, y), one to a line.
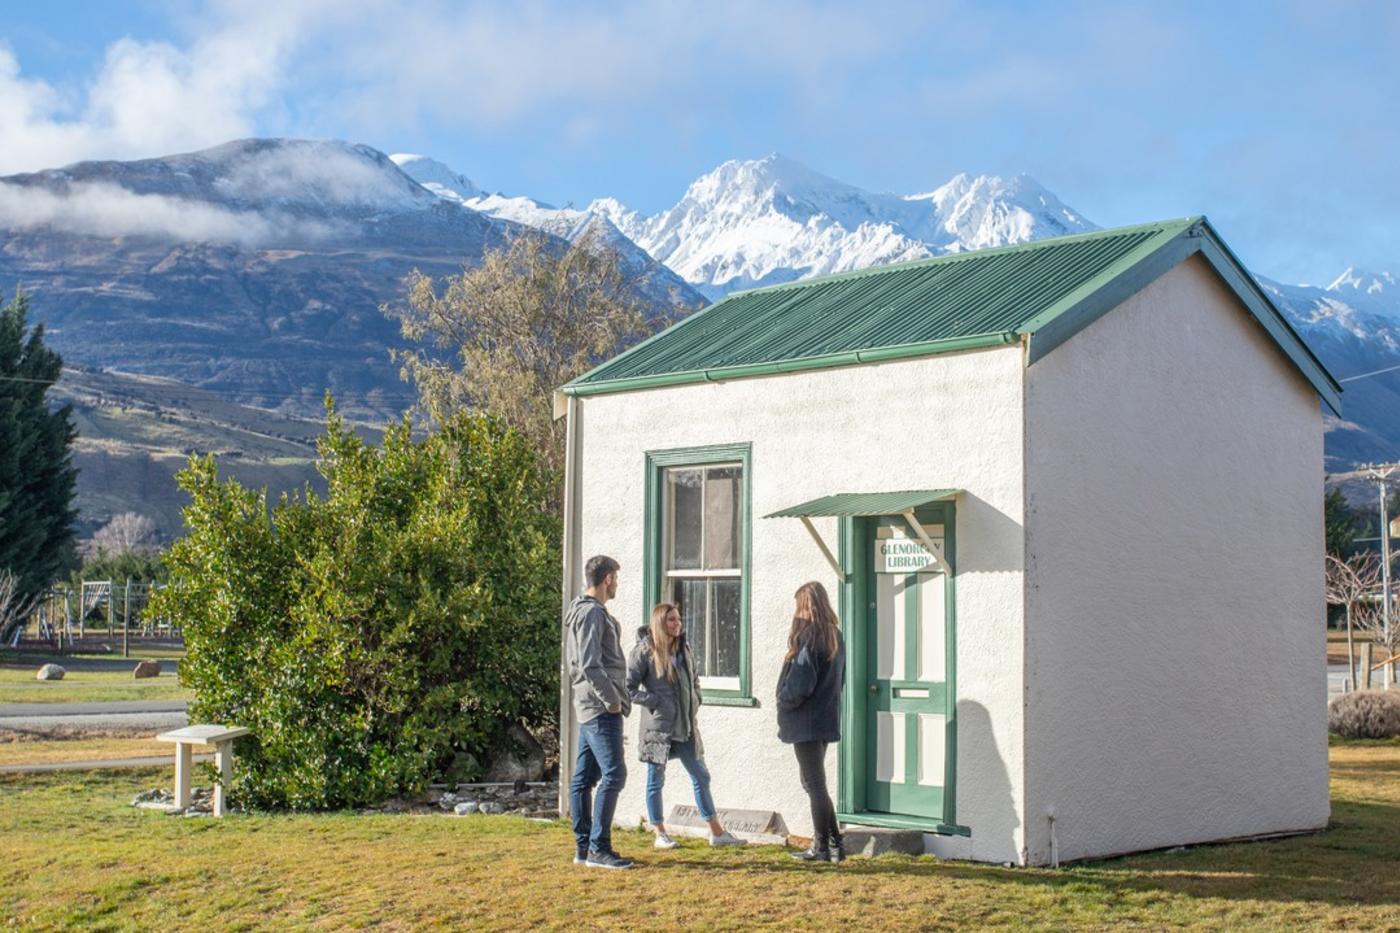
(811, 764)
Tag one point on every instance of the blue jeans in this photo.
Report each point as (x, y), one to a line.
(599, 763)
(699, 780)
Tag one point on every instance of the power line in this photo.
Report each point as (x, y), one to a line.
(1374, 372)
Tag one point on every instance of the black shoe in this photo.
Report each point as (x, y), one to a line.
(580, 856)
(813, 855)
(838, 853)
(607, 860)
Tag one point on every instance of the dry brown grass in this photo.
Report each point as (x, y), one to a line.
(79, 856)
(47, 746)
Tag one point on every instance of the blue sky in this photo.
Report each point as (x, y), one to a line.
(1280, 120)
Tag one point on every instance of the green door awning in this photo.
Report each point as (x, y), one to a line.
(860, 504)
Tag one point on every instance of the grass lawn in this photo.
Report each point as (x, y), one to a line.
(78, 855)
(87, 687)
(18, 684)
(21, 748)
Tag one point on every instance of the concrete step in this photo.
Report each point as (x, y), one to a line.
(879, 840)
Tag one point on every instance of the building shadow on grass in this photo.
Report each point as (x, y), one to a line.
(1350, 863)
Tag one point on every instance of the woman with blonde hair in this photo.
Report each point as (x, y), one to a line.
(809, 709)
(663, 681)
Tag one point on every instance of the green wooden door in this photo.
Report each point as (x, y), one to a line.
(907, 720)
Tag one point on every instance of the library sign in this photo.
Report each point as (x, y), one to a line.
(905, 555)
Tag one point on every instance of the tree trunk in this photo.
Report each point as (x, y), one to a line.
(1351, 654)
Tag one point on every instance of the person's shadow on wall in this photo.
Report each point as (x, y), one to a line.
(983, 801)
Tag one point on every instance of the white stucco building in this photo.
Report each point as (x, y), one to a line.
(1071, 493)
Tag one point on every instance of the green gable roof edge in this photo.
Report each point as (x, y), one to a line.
(587, 384)
(1154, 259)
(1170, 243)
(825, 361)
(1175, 226)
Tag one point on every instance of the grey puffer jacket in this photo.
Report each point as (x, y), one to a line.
(659, 703)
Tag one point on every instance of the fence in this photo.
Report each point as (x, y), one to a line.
(64, 614)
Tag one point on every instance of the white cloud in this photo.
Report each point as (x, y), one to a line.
(103, 209)
(316, 173)
(150, 98)
(378, 66)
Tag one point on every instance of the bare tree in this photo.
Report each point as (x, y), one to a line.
(125, 533)
(1350, 584)
(14, 608)
(532, 316)
(1370, 618)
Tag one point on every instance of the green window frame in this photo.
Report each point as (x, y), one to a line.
(653, 568)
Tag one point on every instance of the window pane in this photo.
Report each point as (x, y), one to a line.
(683, 491)
(722, 518)
(690, 596)
(725, 599)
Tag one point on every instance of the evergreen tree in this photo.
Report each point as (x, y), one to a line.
(1342, 523)
(36, 467)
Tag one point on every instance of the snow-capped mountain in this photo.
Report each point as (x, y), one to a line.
(750, 223)
(656, 279)
(1353, 325)
(764, 221)
(436, 177)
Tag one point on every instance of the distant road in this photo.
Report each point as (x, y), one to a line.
(32, 711)
(117, 714)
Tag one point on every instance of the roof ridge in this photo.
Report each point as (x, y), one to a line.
(1176, 225)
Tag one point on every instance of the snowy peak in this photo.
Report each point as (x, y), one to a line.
(988, 210)
(569, 223)
(762, 221)
(1359, 281)
(436, 177)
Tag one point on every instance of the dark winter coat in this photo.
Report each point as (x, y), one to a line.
(809, 695)
(658, 701)
(597, 667)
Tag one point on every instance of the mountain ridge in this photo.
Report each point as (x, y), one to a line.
(256, 269)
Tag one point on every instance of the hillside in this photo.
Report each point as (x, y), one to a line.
(136, 432)
(255, 269)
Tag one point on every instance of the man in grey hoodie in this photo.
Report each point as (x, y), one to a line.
(598, 674)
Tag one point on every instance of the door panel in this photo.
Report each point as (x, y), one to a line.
(907, 722)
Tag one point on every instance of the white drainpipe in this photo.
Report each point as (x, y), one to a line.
(570, 587)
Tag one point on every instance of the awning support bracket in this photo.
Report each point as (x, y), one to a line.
(926, 541)
(826, 551)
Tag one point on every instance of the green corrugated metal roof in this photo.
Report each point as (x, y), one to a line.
(1046, 289)
(865, 503)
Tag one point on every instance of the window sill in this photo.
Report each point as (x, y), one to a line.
(711, 699)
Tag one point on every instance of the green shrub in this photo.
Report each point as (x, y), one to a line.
(370, 636)
(136, 566)
(1365, 714)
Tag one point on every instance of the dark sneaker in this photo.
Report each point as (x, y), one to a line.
(813, 855)
(607, 860)
(838, 853)
(580, 856)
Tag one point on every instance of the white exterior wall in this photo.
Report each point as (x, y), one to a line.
(1175, 677)
(947, 421)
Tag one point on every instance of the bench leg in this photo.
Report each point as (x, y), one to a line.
(184, 764)
(223, 760)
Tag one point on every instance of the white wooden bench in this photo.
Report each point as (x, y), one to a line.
(221, 737)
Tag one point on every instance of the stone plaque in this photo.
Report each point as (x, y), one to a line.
(756, 825)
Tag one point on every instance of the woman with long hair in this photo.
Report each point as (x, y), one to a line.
(663, 681)
(809, 709)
